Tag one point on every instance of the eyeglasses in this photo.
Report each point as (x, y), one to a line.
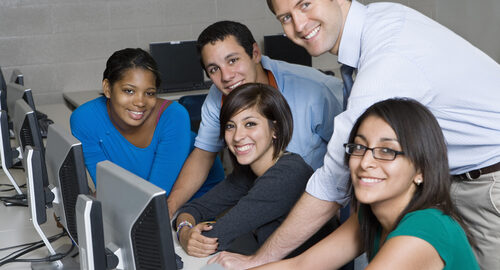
(381, 153)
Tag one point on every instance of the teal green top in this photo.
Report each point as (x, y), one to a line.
(442, 232)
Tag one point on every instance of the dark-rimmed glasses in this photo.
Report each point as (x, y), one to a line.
(381, 153)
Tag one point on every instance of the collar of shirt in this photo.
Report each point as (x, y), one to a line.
(276, 79)
(350, 44)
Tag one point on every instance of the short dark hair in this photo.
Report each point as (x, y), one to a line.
(421, 139)
(220, 30)
(269, 102)
(121, 61)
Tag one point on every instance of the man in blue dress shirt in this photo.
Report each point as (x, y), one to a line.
(398, 52)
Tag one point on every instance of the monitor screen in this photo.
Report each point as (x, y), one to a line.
(135, 219)
(66, 175)
(279, 47)
(16, 91)
(179, 65)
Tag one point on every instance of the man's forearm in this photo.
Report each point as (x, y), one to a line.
(307, 216)
(191, 178)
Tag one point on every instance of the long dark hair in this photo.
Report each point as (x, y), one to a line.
(121, 61)
(269, 102)
(423, 143)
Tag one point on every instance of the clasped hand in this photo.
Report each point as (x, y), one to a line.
(195, 244)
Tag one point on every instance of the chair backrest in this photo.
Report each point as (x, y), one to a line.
(193, 106)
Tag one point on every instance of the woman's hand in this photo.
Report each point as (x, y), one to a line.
(194, 243)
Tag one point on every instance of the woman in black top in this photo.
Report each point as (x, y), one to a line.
(256, 123)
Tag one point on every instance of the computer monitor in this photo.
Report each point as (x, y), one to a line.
(39, 197)
(66, 175)
(279, 47)
(136, 224)
(16, 91)
(26, 128)
(3, 92)
(27, 132)
(93, 253)
(17, 77)
(37, 194)
(179, 65)
(9, 155)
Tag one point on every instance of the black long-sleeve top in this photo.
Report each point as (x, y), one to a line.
(258, 204)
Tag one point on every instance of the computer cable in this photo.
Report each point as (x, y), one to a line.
(28, 246)
(13, 257)
(14, 200)
(10, 187)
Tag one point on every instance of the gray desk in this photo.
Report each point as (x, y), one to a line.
(78, 98)
(16, 228)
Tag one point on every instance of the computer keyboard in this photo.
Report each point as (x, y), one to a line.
(40, 115)
(44, 123)
(200, 86)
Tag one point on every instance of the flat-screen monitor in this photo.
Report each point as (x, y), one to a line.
(27, 132)
(179, 66)
(9, 155)
(279, 47)
(16, 91)
(17, 77)
(66, 175)
(37, 192)
(39, 197)
(93, 253)
(3, 92)
(136, 224)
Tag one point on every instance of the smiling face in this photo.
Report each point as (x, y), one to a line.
(229, 66)
(315, 25)
(131, 98)
(380, 182)
(249, 137)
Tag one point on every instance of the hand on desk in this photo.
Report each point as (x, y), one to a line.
(233, 261)
(194, 243)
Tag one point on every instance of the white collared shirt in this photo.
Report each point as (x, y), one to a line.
(399, 52)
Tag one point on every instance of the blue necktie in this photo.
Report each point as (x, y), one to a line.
(346, 73)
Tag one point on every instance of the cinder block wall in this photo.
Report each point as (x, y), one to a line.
(62, 45)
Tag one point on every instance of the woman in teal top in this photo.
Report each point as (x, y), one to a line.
(135, 129)
(404, 217)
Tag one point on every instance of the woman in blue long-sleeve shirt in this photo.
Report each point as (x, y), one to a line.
(135, 129)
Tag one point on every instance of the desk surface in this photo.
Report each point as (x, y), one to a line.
(16, 228)
(78, 98)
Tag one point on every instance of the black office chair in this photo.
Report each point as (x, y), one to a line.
(193, 106)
